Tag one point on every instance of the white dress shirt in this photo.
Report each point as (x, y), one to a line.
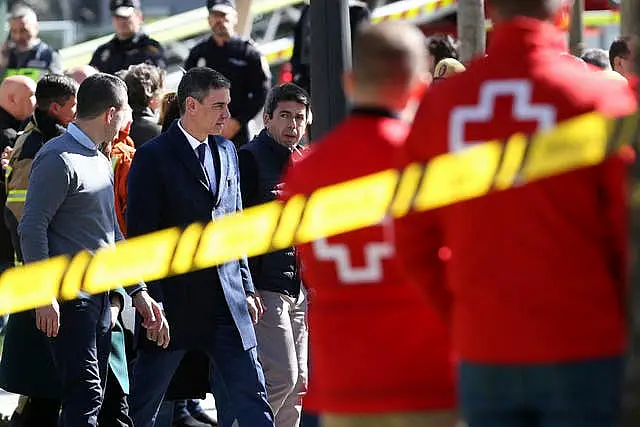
(209, 167)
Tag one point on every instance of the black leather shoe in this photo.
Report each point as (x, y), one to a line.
(190, 421)
(204, 418)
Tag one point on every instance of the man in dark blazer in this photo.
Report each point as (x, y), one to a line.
(183, 176)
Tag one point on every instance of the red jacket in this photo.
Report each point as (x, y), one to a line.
(376, 345)
(537, 274)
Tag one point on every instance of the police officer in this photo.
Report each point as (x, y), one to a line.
(237, 59)
(129, 46)
(24, 53)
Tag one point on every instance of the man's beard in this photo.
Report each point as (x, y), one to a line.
(221, 31)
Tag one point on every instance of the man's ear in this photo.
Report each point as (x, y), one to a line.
(54, 108)
(109, 115)
(189, 105)
(617, 63)
(266, 119)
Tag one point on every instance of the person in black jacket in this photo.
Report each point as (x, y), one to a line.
(240, 61)
(17, 102)
(130, 45)
(359, 13)
(144, 84)
(282, 331)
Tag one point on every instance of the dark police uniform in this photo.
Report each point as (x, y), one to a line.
(117, 54)
(241, 62)
(41, 59)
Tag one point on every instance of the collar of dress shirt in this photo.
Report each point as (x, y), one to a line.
(81, 137)
(192, 141)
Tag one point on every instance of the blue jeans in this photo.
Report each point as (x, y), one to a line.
(579, 394)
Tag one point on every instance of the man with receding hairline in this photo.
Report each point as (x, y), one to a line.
(17, 102)
(393, 366)
(534, 277)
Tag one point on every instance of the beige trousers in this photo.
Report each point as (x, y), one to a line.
(409, 419)
(283, 352)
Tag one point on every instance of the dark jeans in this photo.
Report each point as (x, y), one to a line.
(580, 394)
(81, 355)
(41, 412)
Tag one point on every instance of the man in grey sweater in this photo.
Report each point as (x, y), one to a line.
(69, 208)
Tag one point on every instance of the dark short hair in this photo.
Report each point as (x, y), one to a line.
(54, 88)
(597, 57)
(619, 49)
(442, 46)
(286, 92)
(197, 82)
(144, 81)
(98, 93)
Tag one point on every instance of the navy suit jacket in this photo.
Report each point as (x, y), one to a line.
(167, 187)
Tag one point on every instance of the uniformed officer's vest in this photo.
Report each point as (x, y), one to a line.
(36, 66)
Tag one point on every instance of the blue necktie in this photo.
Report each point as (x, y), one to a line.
(202, 148)
(201, 153)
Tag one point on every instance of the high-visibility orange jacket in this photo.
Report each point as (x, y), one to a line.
(122, 153)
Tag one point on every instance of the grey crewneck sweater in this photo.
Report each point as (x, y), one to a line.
(70, 201)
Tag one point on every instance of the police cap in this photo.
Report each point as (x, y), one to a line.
(224, 6)
(124, 8)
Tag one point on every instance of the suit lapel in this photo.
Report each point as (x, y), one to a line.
(185, 154)
(221, 158)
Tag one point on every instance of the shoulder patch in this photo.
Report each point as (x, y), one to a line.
(153, 49)
(105, 55)
(201, 62)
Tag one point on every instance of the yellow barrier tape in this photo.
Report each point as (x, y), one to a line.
(362, 202)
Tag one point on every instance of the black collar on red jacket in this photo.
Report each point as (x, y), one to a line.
(374, 111)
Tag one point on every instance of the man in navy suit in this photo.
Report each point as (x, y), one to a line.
(186, 175)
